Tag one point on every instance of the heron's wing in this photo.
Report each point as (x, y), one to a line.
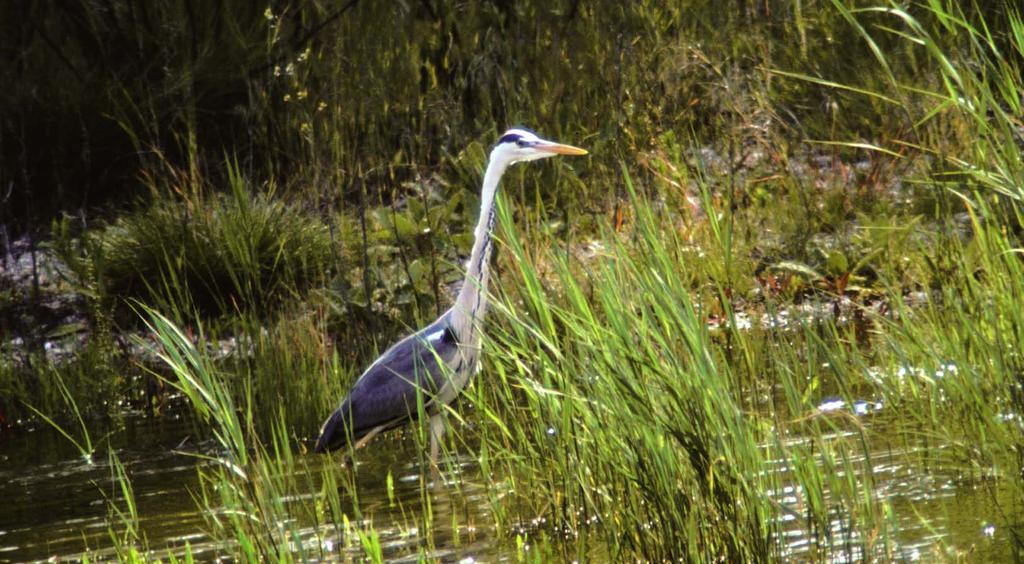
(389, 389)
(387, 393)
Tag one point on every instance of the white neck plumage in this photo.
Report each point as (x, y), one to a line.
(471, 305)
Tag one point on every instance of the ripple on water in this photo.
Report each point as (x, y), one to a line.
(56, 502)
(929, 508)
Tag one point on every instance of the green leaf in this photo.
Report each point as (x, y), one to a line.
(464, 241)
(798, 268)
(418, 273)
(836, 263)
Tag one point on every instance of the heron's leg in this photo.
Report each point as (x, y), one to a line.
(436, 434)
(348, 459)
(366, 438)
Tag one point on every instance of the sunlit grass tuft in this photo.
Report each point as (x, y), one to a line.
(214, 254)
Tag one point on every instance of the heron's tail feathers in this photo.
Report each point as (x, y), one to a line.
(334, 433)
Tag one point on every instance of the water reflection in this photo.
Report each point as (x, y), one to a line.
(936, 515)
(57, 504)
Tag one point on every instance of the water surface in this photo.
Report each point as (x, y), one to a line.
(56, 504)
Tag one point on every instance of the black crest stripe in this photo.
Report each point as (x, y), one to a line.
(509, 138)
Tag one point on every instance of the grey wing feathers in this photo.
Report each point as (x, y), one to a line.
(386, 394)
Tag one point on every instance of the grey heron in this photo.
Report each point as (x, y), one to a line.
(433, 365)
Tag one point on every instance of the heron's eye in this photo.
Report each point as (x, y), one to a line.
(522, 143)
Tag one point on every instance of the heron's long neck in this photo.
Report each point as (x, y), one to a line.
(471, 304)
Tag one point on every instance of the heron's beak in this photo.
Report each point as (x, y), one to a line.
(559, 149)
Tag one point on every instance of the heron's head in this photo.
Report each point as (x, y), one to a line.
(520, 144)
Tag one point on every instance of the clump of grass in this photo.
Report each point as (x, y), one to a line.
(243, 505)
(83, 443)
(967, 120)
(213, 254)
(252, 493)
(84, 389)
(621, 423)
(129, 542)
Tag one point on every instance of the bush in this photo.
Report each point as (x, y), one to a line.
(214, 254)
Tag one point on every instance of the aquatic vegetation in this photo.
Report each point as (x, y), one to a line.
(211, 254)
(776, 316)
(83, 442)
